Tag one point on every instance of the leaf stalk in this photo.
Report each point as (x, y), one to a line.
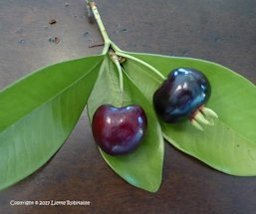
(127, 56)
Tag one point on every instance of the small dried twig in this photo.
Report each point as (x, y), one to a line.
(96, 45)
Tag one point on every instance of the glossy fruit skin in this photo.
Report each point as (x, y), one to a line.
(181, 94)
(119, 131)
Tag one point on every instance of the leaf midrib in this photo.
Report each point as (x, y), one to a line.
(209, 162)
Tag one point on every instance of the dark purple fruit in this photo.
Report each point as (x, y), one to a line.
(119, 130)
(181, 95)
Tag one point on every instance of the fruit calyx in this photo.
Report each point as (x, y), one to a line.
(203, 115)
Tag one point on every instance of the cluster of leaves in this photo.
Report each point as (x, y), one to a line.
(54, 97)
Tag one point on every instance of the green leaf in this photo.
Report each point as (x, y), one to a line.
(143, 167)
(38, 112)
(229, 145)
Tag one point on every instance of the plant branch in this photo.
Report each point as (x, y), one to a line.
(101, 26)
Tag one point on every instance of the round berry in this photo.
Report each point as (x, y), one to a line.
(181, 94)
(119, 130)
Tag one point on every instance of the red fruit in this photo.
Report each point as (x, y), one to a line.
(119, 130)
